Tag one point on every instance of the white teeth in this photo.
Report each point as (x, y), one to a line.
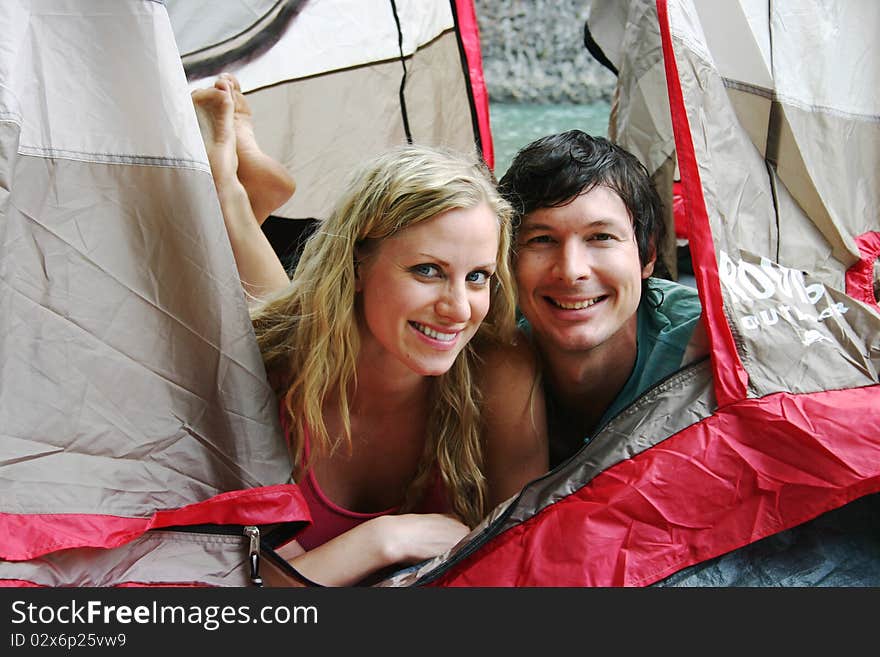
(437, 335)
(579, 305)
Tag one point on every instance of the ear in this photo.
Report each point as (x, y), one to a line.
(648, 269)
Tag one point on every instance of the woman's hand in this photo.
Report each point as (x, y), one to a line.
(414, 537)
(377, 543)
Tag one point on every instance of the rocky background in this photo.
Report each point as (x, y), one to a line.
(533, 52)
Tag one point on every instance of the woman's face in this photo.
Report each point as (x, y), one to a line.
(424, 291)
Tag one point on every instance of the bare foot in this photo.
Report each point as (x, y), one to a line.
(214, 109)
(268, 183)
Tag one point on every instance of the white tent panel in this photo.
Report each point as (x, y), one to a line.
(843, 70)
(76, 37)
(195, 26)
(330, 35)
(746, 57)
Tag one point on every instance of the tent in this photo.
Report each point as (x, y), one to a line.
(140, 443)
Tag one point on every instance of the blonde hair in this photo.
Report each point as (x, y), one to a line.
(308, 334)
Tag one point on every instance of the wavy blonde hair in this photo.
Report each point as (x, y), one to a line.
(308, 333)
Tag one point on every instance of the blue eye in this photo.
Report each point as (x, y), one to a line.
(480, 277)
(427, 271)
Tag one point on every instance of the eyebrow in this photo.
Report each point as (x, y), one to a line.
(443, 263)
(534, 226)
(538, 225)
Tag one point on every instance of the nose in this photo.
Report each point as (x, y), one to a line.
(454, 305)
(572, 262)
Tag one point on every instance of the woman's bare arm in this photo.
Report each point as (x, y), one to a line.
(375, 544)
(515, 420)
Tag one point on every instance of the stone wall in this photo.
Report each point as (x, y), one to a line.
(533, 52)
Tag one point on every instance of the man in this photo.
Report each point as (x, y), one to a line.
(589, 223)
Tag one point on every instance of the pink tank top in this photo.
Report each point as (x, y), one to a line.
(329, 520)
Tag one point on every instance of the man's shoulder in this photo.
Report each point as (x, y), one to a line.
(669, 320)
(675, 292)
(675, 303)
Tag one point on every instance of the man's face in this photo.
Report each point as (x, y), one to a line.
(578, 273)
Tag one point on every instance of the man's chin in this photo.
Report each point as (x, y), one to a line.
(577, 340)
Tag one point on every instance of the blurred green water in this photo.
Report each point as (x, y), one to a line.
(515, 125)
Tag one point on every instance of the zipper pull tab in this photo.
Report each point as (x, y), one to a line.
(253, 532)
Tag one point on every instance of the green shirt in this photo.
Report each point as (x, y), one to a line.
(663, 334)
(666, 320)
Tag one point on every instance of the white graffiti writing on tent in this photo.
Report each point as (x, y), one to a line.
(747, 283)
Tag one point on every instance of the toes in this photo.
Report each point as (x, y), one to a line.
(228, 82)
(223, 84)
(232, 80)
(215, 99)
(214, 111)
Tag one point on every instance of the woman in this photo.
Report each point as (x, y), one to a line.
(369, 347)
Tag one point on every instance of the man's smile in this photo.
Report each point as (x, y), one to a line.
(575, 305)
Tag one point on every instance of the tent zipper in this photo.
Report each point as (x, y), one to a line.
(251, 532)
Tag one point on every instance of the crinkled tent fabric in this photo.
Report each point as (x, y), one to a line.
(140, 435)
